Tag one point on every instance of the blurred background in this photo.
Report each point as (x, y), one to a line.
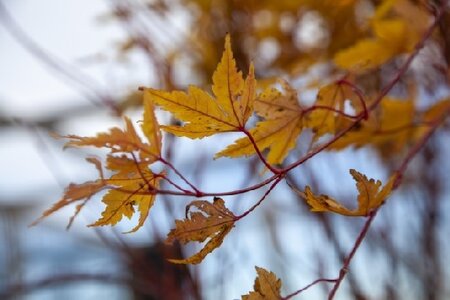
(73, 67)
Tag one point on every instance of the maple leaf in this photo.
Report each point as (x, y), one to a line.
(151, 127)
(132, 182)
(266, 287)
(281, 125)
(437, 111)
(389, 129)
(391, 37)
(204, 115)
(75, 193)
(370, 197)
(331, 99)
(118, 140)
(212, 220)
(434, 113)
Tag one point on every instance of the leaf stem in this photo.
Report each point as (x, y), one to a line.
(307, 287)
(358, 93)
(272, 186)
(344, 269)
(258, 152)
(167, 163)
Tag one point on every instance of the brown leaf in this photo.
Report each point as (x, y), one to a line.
(212, 220)
(267, 286)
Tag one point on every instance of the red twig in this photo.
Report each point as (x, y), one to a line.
(323, 107)
(307, 287)
(167, 163)
(408, 158)
(258, 152)
(349, 258)
(358, 93)
(174, 184)
(272, 186)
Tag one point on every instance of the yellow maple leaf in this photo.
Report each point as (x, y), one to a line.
(132, 182)
(389, 129)
(151, 127)
(329, 108)
(118, 140)
(266, 287)
(282, 124)
(75, 193)
(212, 220)
(437, 111)
(391, 37)
(370, 197)
(126, 193)
(434, 113)
(204, 115)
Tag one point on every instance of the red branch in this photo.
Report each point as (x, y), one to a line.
(258, 152)
(307, 287)
(348, 259)
(405, 162)
(272, 186)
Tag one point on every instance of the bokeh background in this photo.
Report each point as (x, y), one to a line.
(73, 67)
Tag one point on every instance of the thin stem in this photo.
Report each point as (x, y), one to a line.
(205, 194)
(418, 146)
(307, 287)
(167, 163)
(323, 107)
(349, 258)
(136, 163)
(399, 173)
(272, 186)
(359, 93)
(258, 152)
(174, 184)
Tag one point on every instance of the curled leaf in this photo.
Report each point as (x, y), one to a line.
(370, 197)
(212, 220)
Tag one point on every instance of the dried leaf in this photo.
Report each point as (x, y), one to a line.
(267, 286)
(131, 184)
(72, 194)
(212, 220)
(370, 197)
